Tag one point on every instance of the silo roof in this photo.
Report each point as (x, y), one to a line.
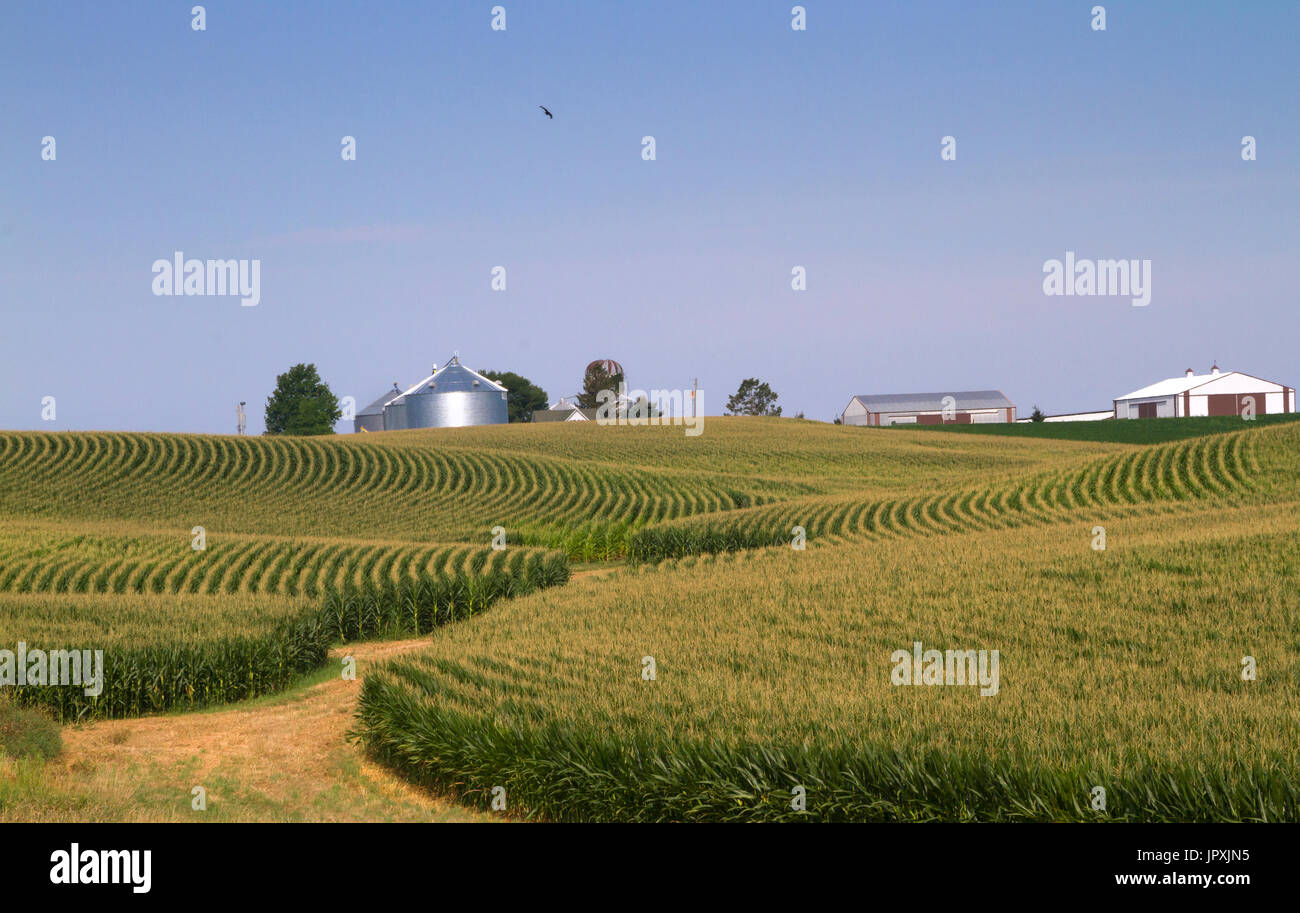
(377, 407)
(453, 378)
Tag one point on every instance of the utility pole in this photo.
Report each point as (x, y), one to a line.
(239, 415)
(695, 399)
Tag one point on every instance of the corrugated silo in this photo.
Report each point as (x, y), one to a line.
(452, 397)
(371, 418)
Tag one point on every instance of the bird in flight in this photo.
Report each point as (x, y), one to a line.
(547, 113)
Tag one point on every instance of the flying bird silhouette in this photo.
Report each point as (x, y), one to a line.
(548, 113)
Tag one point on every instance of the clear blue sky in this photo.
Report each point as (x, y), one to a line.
(775, 148)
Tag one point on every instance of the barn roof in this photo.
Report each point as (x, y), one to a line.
(933, 402)
(1172, 385)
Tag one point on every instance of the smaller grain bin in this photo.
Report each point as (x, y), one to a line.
(371, 418)
(451, 397)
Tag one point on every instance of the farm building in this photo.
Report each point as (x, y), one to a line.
(1097, 416)
(451, 397)
(564, 411)
(961, 407)
(1216, 393)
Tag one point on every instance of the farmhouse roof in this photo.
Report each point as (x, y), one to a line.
(569, 414)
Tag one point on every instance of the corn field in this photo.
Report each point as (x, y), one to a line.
(1121, 665)
(38, 560)
(1146, 479)
(182, 651)
(338, 488)
(764, 684)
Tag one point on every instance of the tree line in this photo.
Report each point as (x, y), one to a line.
(303, 404)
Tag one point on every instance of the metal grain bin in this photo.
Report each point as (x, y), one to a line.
(452, 397)
(371, 418)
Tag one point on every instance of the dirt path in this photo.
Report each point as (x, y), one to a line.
(281, 758)
(595, 572)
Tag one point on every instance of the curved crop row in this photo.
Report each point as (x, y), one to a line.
(84, 564)
(575, 774)
(141, 677)
(1215, 466)
(338, 485)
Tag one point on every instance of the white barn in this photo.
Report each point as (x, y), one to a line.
(1216, 393)
(1074, 417)
(961, 407)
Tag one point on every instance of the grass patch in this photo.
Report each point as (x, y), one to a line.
(27, 733)
(1129, 431)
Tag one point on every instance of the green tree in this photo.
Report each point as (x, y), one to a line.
(523, 396)
(597, 379)
(753, 398)
(301, 404)
(1037, 415)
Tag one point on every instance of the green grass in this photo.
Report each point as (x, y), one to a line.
(1131, 431)
(27, 733)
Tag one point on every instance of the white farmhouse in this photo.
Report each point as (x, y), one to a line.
(1216, 393)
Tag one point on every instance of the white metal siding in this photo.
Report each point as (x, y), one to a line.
(854, 413)
(1128, 408)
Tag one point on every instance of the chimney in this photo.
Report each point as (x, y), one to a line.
(1191, 373)
(1214, 369)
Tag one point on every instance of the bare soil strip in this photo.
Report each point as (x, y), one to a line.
(281, 758)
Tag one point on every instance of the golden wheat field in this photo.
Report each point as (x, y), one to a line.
(772, 592)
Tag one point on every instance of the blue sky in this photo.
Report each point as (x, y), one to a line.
(775, 148)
